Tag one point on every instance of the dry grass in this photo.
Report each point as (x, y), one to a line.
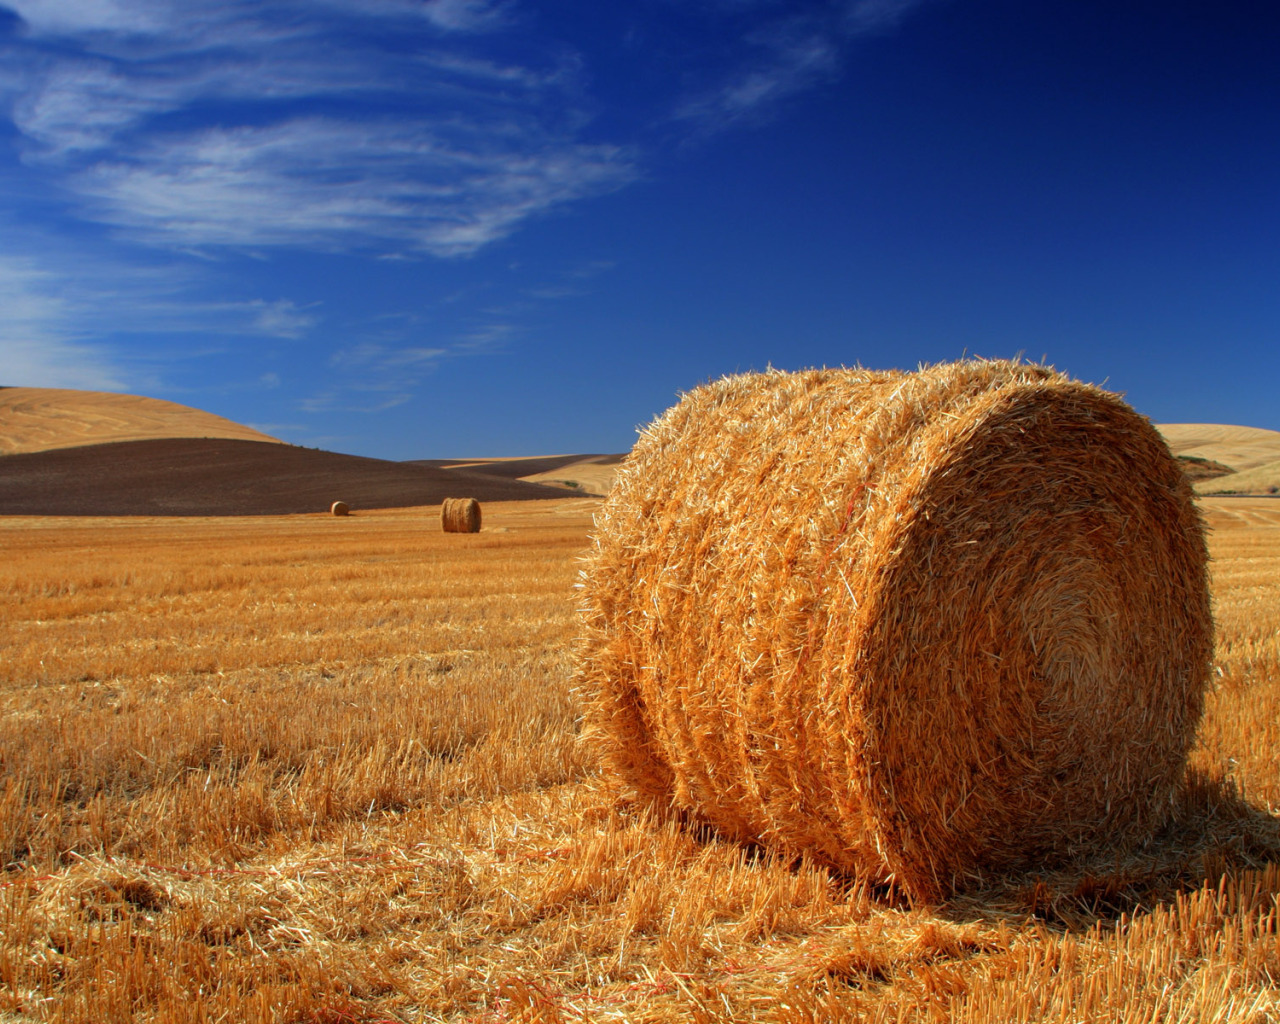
(257, 771)
(340, 508)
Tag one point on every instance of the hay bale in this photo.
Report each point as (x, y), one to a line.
(340, 508)
(922, 627)
(460, 515)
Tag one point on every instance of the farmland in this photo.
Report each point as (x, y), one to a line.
(305, 768)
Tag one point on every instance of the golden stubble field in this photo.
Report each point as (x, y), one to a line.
(325, 770)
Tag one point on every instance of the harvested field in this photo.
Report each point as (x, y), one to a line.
(304, 769)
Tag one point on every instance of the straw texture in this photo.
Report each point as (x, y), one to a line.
(921, 626)
(460, 515)
(340, 508)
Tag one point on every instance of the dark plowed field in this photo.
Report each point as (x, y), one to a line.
(218, 477)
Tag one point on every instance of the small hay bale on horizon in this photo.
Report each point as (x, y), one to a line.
(340, 508)
(460, 515)
(922, 627)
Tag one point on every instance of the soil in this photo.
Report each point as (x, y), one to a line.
(1197, 468)
(226, 477)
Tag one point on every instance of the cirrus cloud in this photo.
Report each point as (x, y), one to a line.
(329, 184)
(202, 125)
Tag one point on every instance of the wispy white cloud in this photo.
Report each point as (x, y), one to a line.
(151, 17)
(863, 16)
(74, 16)
(789, 54)
(788, 67)
(413, 356)
(487, 337)
(554, 291)
(336, 185)
(195, 125)
(461, 15)
(280, 319)
(41, 342)
(376, 376)
(199, 124)
(593, 268)
(75, 320)
(377, 357)
(78, 105)
(359, 397)
(571, 282)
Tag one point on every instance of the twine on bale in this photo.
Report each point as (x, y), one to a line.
(340, 508)
(460, 515)
(920, 626)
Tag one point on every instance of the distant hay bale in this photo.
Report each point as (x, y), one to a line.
(460, 515)
(340, 508)
(921, 626)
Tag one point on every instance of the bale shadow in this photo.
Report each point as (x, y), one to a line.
(1212, 833)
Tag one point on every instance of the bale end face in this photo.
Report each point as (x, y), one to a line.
(460, 515)
(340, 508)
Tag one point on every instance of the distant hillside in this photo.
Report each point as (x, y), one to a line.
(1252, 454)
(221, 476)
(1258, 480)
(583, 474)
(1240, 448)
(43, 419)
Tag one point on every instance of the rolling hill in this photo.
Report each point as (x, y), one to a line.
(1253, 454)
(1240, 448)
(584, 474)
(67, 452)
(1264, 479)
(42, 419)
(227, 476)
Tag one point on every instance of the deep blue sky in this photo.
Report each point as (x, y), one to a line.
(480, 227)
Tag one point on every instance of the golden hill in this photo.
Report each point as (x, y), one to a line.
(1240, 448)
(43, 419)
(75, 453)
(1258, 480)
(1252, 452)
(584, 475)
(592, 474)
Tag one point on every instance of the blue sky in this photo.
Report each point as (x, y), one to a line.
(421, 228)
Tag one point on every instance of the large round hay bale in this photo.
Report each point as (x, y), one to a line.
(460, 515)
(340, 508)
(922, 626)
